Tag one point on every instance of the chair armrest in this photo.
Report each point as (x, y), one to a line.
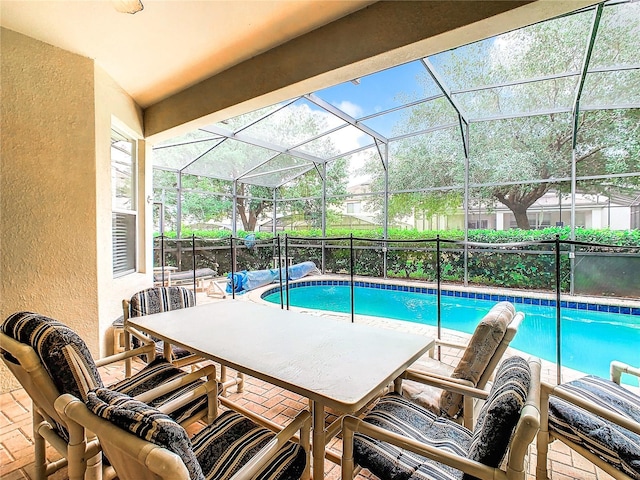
(80, 447)
(456, 385)
(143, 337)
(143, 350)
(618, 368)
(429, 378)
(351, 424)
(446, 343)
(208, 371)
(605, 413)
(301, 422)
(209, 388)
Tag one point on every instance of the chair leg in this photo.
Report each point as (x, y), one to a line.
(223, 373)
(543, 439)
(94, 468)
(238, 381)
(40, 448)
(76, 452)
(127, 347)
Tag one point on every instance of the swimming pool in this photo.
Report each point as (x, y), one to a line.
(591, 338)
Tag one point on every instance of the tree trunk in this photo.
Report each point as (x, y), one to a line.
(243, 214)
(518, 199)
(251, 225)
(520, 212)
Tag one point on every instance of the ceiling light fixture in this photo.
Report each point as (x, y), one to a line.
(127, 6)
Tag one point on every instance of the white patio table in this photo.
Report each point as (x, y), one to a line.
(333, 363)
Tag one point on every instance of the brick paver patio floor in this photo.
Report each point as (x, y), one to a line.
(16, 446)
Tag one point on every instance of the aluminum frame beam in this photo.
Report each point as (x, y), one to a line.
(437, 78)
(344, 116)
(262, 143)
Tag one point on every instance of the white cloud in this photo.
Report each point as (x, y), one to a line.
(350, 108)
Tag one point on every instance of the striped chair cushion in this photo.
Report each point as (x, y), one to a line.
(158, 373)
(500, 413)
(68, 361)
(146, 422)
(227, 444)
(612, 443)
(399, 415)
(476, 357)
(161, 299)
(63, 353)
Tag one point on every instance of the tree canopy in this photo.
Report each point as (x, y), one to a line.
(207, 197)
(516, 155)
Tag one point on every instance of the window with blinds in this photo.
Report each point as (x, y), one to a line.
(124, 214)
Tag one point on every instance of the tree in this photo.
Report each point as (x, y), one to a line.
(306, 191)
(212, 167)
(517, 160)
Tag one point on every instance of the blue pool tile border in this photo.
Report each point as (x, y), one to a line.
(570, 304)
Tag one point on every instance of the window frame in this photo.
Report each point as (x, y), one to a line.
(122, 217)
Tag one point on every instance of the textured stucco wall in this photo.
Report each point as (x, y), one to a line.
(55, 190)
(48, 191)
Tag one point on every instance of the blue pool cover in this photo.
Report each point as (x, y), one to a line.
(246, 280)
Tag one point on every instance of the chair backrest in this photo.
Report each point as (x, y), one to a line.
(510, 417)
(64, 355)
(48, 359)
(132, 456)
(157, 300)
(512, 329)
(483, 353)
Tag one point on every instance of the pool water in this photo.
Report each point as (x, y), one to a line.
(590, 339)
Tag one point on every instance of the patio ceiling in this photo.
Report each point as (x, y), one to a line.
(275, 145)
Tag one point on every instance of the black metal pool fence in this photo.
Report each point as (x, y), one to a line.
(563, 267)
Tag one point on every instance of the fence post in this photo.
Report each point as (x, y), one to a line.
(233, 267)
(351, 267)
(280, 274)
(162, 257)
(558, 316)
(193, 263)
(438, 266)
(286, 275)
(385, 248)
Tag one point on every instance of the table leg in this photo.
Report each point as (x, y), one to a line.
(397, 385)
(318, 440)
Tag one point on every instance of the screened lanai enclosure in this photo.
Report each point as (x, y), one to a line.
(523, 136)
(506, 169)
(533, 128)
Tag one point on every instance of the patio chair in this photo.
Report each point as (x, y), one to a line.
(168, 277)
(480, 357)
(142, 443)
(156, 300)
(163, 299)
(50, 359)
(596, 417)
(399, 439)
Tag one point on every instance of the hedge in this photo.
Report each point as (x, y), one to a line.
(523, 267)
